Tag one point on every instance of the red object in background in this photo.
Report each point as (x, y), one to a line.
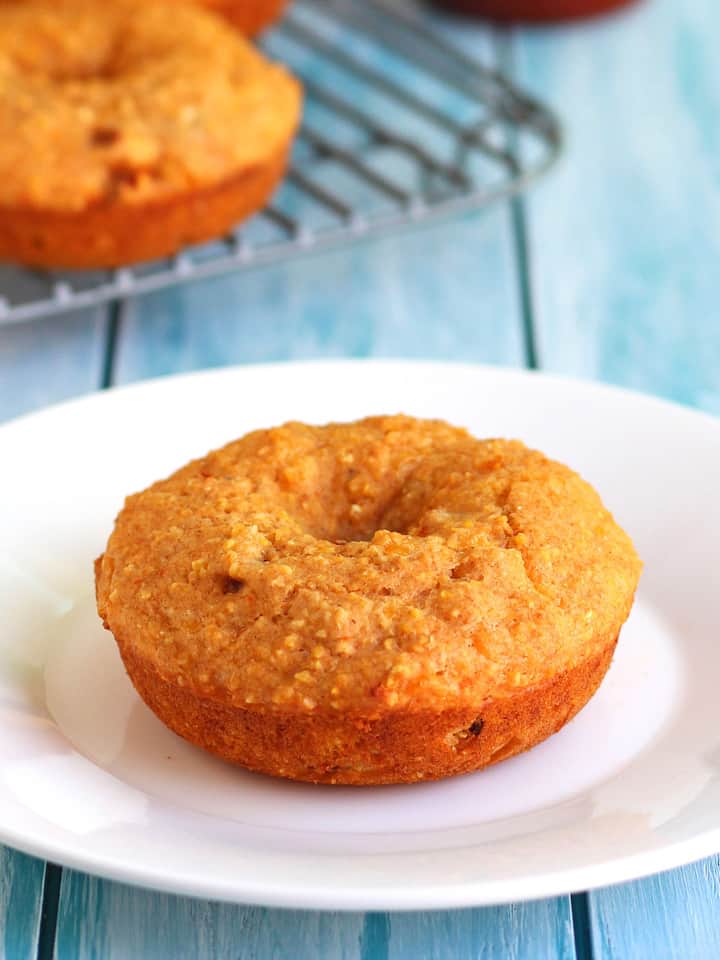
(532, 10)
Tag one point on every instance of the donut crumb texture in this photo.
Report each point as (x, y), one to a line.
(389, 600)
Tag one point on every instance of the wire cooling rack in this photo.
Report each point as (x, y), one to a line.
(399, 127)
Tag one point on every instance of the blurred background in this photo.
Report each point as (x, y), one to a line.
(606, 268)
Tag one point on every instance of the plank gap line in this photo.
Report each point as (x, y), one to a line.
(115, 316)
(49, 911)
(522, 257)
(580, 906)
(503, 44)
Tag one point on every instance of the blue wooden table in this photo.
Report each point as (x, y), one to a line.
(610, 269)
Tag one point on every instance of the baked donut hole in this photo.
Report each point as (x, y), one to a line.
(365, 525)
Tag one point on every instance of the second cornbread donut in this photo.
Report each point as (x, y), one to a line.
(389, 600)
(128, 130)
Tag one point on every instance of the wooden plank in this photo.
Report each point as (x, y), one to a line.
(623, 252)
(110, 920)
(375, 299)
(624, 235)
(48, 361)
(21, 879)
(527, 931)
(675, 914)
(114, 921)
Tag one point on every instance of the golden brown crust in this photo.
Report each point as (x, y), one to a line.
(113, 234)
(397, 747)
(362, 582)
(126, 133)
(248, 16)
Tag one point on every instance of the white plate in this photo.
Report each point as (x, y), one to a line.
(88, 777)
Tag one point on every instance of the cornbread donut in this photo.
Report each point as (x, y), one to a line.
(127, 133)
(248, 16)
(384, 601)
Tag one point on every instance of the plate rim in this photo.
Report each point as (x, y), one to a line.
(618, 869)
(365, 899)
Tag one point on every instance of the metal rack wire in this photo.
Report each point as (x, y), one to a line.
(400, 127)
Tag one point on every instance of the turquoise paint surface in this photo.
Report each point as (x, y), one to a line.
(624, 236)
(49, 361)
(370, 300)
(21, 879)
(100, 919)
